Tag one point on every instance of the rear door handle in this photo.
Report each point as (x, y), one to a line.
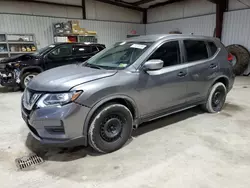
(182, 74)
(213, 66)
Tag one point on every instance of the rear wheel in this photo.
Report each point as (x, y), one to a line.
(216, 98)
(26, 78)
(110, 128)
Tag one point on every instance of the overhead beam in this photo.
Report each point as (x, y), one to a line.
(83, 9)
(120, 4)
(164, 3)
(221, 7)
(145, 17)
(44, 2)
(141, 2)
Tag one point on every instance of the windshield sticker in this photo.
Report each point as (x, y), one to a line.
(123, 65)
(139, 46)
(52, 46)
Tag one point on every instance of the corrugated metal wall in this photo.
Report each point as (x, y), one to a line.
(108, 32)
(94, 10)
(181, 10)
(202, 25)
(236, 28)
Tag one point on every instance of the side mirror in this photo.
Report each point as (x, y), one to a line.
(154, 64)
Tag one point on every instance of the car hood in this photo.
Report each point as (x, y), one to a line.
(16, 58)
(65, 77)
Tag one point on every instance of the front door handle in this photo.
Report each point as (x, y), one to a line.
(213, 66)
(182, 74)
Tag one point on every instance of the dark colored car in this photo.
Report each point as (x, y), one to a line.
(22, 68)
(100, 101)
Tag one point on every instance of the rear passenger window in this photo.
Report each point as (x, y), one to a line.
(213, 48)
(100, 48)
(195, 50)
(81, 50)
(94, 49)
(169, 53)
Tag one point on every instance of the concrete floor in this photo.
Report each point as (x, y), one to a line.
(189, 149)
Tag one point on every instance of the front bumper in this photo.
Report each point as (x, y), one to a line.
(57, 126)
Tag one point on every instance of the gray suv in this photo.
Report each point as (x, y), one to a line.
(100, 101)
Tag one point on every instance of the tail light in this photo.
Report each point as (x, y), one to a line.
(230, 57)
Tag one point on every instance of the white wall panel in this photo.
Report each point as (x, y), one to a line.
(181, 9)
(40, 9)
(198, 7)
(103, 11)
(202, 25)
(73, 12)
(235, 4)
(94, 10)
(236, 28)
(108, 32)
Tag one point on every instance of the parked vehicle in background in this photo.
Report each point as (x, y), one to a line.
(19, 70)
(141, 79)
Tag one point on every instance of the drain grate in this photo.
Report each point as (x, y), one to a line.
(31, 160)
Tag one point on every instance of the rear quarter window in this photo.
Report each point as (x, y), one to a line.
(195, 50)
(213, 48)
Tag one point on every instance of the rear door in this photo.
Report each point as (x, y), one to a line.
(61, 55)
(202, 67)
(82, 53)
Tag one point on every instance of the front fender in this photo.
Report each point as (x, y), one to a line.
(103, 101)
(26, 69)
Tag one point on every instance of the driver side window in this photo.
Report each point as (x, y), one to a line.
(62, 51)
(169, 53)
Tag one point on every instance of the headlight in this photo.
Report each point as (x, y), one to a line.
(58, 99)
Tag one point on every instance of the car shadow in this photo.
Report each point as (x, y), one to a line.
(50, 153)
(166, 121)
(70, 154)
(9, 89)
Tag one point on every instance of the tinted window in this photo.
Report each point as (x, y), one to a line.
(81, 50)
(100, 48)
(213, 48)
(94, 49)
(195, 50)
(169, 53)
(62, 51)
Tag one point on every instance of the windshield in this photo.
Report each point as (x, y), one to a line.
(43, 50)
(119, 56)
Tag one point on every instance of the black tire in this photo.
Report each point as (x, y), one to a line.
(216, 98)
(110, 128)
(22, 79)
(242, 58)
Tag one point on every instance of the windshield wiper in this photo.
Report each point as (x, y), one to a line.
(93, 66)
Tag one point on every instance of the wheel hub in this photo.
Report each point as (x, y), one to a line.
(111, 128)
(217, 98)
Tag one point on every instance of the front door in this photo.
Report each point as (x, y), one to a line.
(166, 88)
(62, 55)
(202, 67)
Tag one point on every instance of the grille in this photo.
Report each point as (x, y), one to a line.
(28, 161)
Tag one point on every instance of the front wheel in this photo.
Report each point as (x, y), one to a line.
(110, 128)
(26, 78)
(216, 98)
